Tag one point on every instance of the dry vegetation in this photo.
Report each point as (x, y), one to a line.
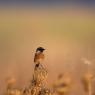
(36, 87)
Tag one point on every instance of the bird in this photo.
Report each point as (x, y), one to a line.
(39, 56)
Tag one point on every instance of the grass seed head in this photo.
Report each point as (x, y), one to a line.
(86, 81)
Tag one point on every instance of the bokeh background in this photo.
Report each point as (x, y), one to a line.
(65, 29)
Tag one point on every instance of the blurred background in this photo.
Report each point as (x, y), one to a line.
(65, 28)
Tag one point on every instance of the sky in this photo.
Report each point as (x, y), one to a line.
(46, 2)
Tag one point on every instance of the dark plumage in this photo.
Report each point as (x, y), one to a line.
(41, 49)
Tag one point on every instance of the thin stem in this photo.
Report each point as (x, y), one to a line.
(90, 89)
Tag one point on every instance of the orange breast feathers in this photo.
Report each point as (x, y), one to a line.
(38, 57)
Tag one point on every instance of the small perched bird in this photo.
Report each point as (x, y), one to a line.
(39, 56)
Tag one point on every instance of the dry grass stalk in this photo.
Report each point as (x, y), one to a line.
(10, 82)
(40, 74)
(62, 84)
(11, 90)
(86, 81)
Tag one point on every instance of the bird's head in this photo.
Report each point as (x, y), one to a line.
(40, 49)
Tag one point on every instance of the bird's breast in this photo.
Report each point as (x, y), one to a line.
(38, 57)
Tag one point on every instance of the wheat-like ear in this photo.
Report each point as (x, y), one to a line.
(10, 81)
(86, 82)
(37, 86)
(62, 84)
(40, 74)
